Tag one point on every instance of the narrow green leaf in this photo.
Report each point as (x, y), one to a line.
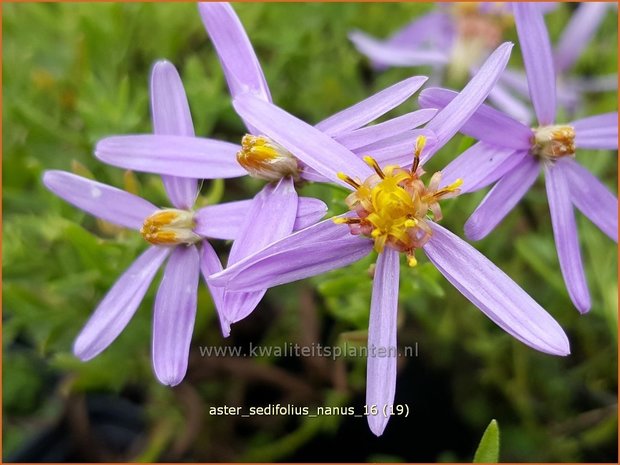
(488, 449)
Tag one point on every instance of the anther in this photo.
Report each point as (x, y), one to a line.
(375, 166)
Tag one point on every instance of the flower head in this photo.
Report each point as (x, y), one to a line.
(177, 234)
(511, 155)
(392, 211)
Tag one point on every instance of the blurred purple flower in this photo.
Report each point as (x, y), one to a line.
(459, 38)
(392, 211)
(175, 233)
(511, 154)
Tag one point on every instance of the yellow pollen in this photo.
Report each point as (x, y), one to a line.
(170, 227)
(265, 159)
(393, 206)
(420, 143)
(553, 142)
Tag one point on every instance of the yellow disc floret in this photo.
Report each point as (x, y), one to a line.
(555, 141)
(393, 205)
(170, 227)
(265, 159)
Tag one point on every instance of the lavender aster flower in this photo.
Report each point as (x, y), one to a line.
(457, 37)
(272, 213)
(511, 155)
(392, 211)
(174, 233)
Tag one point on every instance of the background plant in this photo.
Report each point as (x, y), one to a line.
(77, 72)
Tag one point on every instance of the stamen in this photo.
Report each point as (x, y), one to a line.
(411, 260)
(374, 165)
(420, 143)
(341, 220)
(349, 180)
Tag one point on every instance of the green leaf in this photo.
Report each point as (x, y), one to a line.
(488, 449)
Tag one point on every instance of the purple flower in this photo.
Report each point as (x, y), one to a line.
(511, 155)
(174, 233)
(273, 211)
(459, 38)
(573, 40)
(391, 210)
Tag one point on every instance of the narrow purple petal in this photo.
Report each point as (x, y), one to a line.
(271, 216)
(103, 201)
(174, 315)
(487, 124)
(510, 104)
(223, 221)
(591, 197)
(119, 305)
(398, 149)
(371, 108)
(501, 199)
(578, 33)
(436, 28)
(396, 55)
(234, 49)
(309, 212)
(187, 157)
(171, 116)
(597, 132)
(311, 146)
(606, 83)
(456, 113)
(381, 371)
(537, 58)
(210, 264)
(311, 251)
(367, 135)
(566, 238)
(480, 165)
(493, 292)
(516, 80)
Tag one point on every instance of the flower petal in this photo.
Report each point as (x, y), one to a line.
(480, 165)
(174, 315)
(187, 157)
(510, 104)
(223, 221)
(371, 108)
(210, 264)
(566, 239)
(171, 116)
(578, 33)
(119, 305)
(487, 124)
(381, 372)
(311, 251)
(398, 149)
(103, 201)
(271, 216)
(591, 197)
(493, 292)
(457, 112)
(597, 132)
(501, 199)
(311, 146)
(537, 58)
(396, 55)
(370, 134)
(234, 49)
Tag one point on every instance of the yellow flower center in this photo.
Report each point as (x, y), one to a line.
(265, 159)
(393, 205)
(553, 142)
(170, 227)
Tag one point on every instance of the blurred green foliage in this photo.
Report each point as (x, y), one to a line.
(74, 73)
